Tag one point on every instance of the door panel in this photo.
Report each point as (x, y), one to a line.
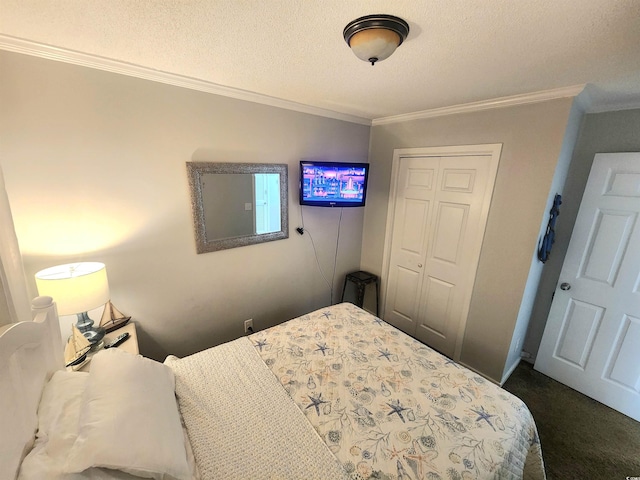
(458, 180)
(592, 338)
(413, 231)
(625, 364)
(412, 219)
(579, 329)
(457, 227)
(438, 298)
(605, 248)
(405, 293)
(449, 232)
(420, 178)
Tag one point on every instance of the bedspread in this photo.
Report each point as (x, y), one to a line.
(389, 407)
(241, 423)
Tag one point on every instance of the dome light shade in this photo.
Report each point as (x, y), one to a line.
(375, 37)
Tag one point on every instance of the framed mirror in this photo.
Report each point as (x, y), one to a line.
(238, 204)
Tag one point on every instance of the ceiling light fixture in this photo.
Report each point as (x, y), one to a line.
(375, 37)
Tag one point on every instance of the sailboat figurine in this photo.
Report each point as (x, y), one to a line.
(75, 352)
(112, 318)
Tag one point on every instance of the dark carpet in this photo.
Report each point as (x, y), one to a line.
(581, 438)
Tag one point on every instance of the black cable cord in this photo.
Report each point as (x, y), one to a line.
(315, 251)
(335, 258)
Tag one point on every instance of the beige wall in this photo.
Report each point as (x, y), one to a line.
(532, 137)
(94, 166)
(539, 272)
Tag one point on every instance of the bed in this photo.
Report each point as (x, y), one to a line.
(336, 393)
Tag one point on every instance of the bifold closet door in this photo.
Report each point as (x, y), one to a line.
(439, 218)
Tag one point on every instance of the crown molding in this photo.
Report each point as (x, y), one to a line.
(27, 47)
(613, 106)
(501, 102)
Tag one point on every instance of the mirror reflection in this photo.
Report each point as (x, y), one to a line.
(252, 204)
(238, 204)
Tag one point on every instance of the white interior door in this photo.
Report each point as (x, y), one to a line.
(592, 338)
(267, 202)
(438, 213)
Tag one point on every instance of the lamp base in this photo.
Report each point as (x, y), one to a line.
(96, 346)
(93, 334)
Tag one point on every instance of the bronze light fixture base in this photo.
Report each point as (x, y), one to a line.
(375, 37)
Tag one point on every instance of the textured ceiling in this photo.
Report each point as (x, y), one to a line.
(457, 52)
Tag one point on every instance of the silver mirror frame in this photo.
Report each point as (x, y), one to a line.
(195, 171)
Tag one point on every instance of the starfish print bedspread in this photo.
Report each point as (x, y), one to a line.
(389, 407)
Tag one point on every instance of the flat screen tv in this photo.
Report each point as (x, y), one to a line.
(333, 184)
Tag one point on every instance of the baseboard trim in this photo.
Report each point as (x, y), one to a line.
(508, 373)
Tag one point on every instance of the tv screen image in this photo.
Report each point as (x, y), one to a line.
(333, 184)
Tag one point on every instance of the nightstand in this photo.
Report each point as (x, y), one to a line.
(129, 345)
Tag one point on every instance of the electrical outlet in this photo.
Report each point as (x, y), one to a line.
(248, 326)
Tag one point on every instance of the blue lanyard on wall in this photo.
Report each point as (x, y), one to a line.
(545, 244)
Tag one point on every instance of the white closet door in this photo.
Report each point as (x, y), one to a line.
(439, 210)
(416, 185)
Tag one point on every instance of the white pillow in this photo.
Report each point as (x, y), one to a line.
(58, 416)
(129, 419)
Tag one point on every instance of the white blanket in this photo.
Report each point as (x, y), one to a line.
(233, 407)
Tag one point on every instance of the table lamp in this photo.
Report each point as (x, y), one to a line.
(77, 288)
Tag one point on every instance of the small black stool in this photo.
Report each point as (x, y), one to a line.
(361, 279)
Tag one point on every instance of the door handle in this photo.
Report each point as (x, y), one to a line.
(565, 286)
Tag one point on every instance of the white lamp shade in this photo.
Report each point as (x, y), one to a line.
(75, 287)
(375, 44)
